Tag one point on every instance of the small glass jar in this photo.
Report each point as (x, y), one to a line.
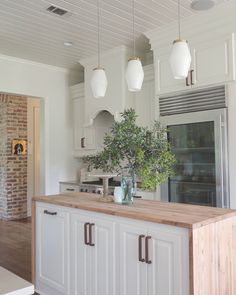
(129, 188)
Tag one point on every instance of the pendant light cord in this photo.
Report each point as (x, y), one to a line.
(179, 18)
(133, 28)
(98, 20)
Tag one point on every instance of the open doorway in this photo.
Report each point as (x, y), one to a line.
(20, 154)
(20, 177)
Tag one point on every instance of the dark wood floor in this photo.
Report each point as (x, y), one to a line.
(15, 247)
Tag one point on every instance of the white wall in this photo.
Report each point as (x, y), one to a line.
(51, 84)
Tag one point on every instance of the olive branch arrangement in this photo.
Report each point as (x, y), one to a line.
(143, 152)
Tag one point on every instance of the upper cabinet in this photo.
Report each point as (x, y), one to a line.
(211, 40)
(87, 138)
(212, 63)
(164, 80)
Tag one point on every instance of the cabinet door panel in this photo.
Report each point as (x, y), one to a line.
(80, 256)
(165, 82)
(103, 258)
(168, 272)
(213, 61)
(89, 134)
(78, 116)
(133, 273)
(52, 248)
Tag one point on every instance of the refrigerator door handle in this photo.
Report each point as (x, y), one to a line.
(223, 198)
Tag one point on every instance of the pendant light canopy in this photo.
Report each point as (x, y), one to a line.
(134, 72)
(180, 58)
(99, 79)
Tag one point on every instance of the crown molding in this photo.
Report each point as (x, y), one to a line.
(33, 63)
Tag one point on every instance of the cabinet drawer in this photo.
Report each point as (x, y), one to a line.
(68, 188)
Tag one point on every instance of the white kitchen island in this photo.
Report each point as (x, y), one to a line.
(84, 247)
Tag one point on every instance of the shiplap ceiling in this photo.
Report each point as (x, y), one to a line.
(28, 31)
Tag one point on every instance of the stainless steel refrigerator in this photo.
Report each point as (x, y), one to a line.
(199, 142)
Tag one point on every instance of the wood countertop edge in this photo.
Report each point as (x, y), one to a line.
(120, 212)
(117, 213)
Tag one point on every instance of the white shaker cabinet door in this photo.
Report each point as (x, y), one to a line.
(89, 138)
(168, 257)
(133, 273)
(78, 122)
(213, 61)
(52, 250)
(103, 257)
(164, 79)
(80, 262)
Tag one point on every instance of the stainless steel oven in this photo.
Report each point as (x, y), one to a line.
(96, 186)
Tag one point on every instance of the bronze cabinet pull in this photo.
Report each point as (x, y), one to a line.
(147, 250)
(70, 189)
(191, 77)
(187, 80)
(86, 233)
(90, 235)
(140, 248)
(82, 142)
(49, 213)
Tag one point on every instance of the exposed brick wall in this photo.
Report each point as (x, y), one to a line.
(13, 168)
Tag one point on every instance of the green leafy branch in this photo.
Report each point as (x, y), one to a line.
(144, 152)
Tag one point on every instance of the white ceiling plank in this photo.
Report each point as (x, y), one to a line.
(27, 30)
(60, 23)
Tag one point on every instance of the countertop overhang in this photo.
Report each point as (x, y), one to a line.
(181, 215)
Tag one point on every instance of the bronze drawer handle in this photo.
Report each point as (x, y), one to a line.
(140, 248)
(70, 189)
(49, 213)
(187, 80)
(86, 233)
(147, 250)
(90, 234)
(191, 77)
(82, 142)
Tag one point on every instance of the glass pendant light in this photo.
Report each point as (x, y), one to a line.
(99, 79)
(134, 72)
(180, 58)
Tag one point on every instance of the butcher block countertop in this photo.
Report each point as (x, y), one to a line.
(181, 215)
